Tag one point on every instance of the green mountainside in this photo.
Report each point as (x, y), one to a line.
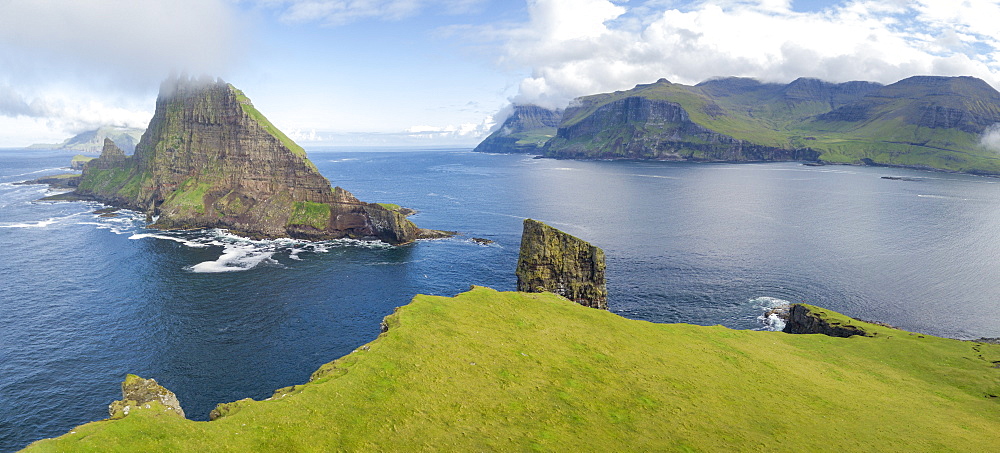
(93, 141)
(488, 370)
(525, 131)
(925, 122)
(209, 159)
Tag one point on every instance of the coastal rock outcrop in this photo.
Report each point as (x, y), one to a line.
(805, 319)
(111, 156)
(139, 393)
(554, 261)
(526, 130)
(210, 159)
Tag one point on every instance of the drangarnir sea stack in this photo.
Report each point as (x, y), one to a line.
(557, 262)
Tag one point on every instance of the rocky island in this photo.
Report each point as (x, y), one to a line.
(210, 159)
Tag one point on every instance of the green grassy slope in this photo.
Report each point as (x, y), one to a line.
(512, 371)
(933, 122)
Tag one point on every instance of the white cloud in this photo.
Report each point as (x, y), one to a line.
(82, 64)
(339, 12)
(300, 135)
(461, 132)
(116, 42)
(991, 138)
(609, 47)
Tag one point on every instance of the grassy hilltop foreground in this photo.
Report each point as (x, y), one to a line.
(488, 370)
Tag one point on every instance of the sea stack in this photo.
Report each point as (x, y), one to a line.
(554, 261)
(139, 393)
(210, 159)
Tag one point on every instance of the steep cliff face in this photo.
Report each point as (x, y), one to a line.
(637, 127)
(967, 104)
(805, 319)
(525, 131)
(551, 260)
(924, 122)
(209, 159)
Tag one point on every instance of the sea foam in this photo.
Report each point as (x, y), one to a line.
(771, 308)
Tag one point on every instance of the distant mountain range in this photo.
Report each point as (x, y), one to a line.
(922, 122)
(93, 141)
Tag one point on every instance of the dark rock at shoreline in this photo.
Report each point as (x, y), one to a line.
(802, 320)
(551, 260)
(138, 393)
(65, 181)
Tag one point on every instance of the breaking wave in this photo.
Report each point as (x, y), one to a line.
(772, 309)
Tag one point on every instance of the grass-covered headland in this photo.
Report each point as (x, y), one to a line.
(488, 370)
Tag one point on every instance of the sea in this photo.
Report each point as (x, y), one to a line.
(86, 298)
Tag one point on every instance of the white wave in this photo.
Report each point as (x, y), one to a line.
(38, 224)
(234, 258)
(346, 159)
(654, 176)
(186, 242)
(941, 197)
(771, 310)
(37, 171)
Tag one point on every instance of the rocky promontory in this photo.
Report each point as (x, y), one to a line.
(526, 130)
(139, 393)
(210, 159)
(553, 261)
(806, 319)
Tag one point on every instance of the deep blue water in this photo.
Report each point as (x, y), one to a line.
(85, 300)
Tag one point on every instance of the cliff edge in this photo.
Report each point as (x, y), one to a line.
(488, 371)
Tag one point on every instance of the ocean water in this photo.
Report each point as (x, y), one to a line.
(85, 299)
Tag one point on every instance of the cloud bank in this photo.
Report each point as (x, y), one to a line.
(340, 12)
(113, 51)
(579, 47)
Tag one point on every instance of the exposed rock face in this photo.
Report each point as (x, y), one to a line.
(209, 159)
(639, 128)
(526, 130)
(138, 393)
(111, 156)
(965, 103)
(553, 261)
(66, 181)
(802, 319)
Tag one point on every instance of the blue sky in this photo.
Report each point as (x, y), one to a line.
(440, 72)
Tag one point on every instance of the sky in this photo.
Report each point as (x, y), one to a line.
(443, 72)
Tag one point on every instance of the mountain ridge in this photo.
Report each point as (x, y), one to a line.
(92, 141)
(931, 122)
